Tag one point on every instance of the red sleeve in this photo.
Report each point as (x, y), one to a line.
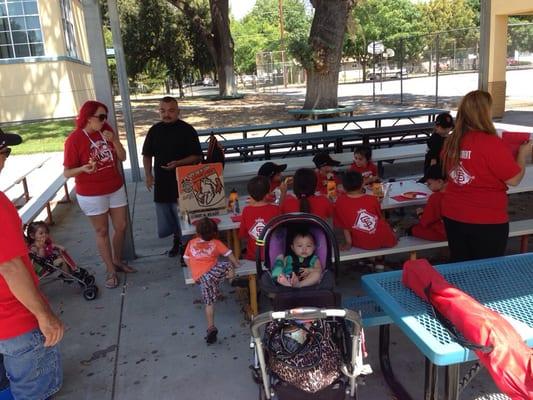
(432, 211)
(12, 242)
(70, 154)
(339, 217)
(221, 248)
(500, 160)
(243, 228)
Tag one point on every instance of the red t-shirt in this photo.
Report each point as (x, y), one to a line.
(79, 148)
(203, 256)
(253, 221)
(367, 171)
(322, 181)
(362, 216)
(15, 319)
(476, 190)
(320, 206)
(431, 226)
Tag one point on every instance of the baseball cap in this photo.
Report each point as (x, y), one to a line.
(269, 169)
(433, 172)
(322, 159)
(9, 139)
(445, 120)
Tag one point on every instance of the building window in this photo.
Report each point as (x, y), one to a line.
(68, 27)
(20, 29)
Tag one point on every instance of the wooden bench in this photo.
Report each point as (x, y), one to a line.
(33, 207)
(23, 179)
(234, 172)
(411, 245)
(247, 268)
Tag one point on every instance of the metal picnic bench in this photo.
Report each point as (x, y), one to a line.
(315, 113)
(23, 178)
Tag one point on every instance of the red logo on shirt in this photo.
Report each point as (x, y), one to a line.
(257, 228)
(460, 175)
(365, 221)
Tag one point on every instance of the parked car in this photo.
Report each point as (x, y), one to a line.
(383, 73)
(208, 81)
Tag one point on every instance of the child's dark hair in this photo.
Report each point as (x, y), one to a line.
(258, 187)
(298, 229)
(365, 151)
(352, 180)
(32, 228)
(304, 185)
(206, 229)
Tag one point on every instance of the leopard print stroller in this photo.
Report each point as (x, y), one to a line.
(308, 347)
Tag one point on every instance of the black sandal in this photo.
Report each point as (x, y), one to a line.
(211, 335)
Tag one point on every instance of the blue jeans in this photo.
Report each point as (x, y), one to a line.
(34, 371)
(168, 219)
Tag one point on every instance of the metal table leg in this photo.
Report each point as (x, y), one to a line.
(431, 386)
(451, 386)
(386, 368)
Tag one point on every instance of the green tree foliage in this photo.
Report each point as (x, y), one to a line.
(259, 31)
(520, 37)
(155, 41)
(394, 22)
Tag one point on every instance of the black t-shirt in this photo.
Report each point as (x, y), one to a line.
(435, 144)
(169, 142)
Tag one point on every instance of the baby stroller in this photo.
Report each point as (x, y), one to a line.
(308, 347)
(46, 269)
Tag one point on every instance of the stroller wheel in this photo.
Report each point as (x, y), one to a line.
(90, 293)
(89, 280)
(83, 273)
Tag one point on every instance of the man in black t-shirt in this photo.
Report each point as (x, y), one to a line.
(171, 143)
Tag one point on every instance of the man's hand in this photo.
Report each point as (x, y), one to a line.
(52, 329)
(149, 182)
(170, 166)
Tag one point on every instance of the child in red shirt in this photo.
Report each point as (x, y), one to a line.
(273, 171)
(325, 174)
(431, 226)
(359, 215)
(201, 256)
(363, 164)
(256, 214)
(304, 198)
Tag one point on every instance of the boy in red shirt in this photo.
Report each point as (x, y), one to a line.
(363, 164)
(431, 226)
(359, 215)
(201, 256)
(256, 214)
(325, 172)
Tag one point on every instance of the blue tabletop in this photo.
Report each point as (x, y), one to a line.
(504, 284)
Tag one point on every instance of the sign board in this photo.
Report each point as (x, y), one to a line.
(201, 190)
(375, 47)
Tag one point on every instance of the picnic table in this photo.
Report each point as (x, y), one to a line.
(503, 284)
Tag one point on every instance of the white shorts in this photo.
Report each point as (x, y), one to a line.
(97, 205)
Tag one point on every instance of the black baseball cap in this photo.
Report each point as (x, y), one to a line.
(433, 172)
(9, 139)
(444, 120)
(269, 169)
(323, 159)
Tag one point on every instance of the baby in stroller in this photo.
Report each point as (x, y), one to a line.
(308, 348)
(49, 257)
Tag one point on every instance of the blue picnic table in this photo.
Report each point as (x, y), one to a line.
(503, 284)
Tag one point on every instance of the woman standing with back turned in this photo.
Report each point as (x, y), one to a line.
(479, 167)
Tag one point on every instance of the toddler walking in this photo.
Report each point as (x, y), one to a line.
(202, 257)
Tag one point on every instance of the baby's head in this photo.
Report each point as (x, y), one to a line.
(324, 163)
(206, 229)
(303, 244)
(37, 230)
(434, 178)
(362, 155)
(258, 187)
(444, 124)
(352, 181)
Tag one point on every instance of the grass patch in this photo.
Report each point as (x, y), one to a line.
(41, 137)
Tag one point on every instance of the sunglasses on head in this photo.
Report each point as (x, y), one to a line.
(6, 151)
(101, 117)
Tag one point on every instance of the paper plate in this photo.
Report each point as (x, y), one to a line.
(415, 195)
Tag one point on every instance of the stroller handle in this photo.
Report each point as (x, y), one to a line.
(304, 313)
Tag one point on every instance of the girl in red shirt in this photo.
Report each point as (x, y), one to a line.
(479, 168)
(363, 164)
(359, 215)
(304, 199)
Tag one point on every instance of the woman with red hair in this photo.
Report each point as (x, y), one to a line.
(92, 155)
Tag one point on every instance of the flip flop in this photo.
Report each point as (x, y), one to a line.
(123, 267)
(111, 281)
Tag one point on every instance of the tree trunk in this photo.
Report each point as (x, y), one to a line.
(223, 45)
(326, 39)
